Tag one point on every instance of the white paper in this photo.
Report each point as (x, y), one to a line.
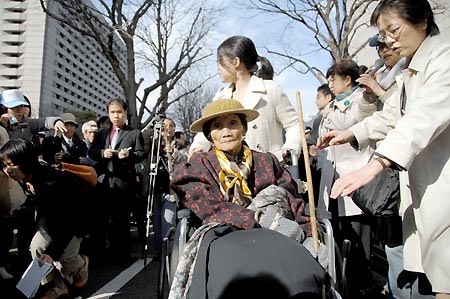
(31, 278)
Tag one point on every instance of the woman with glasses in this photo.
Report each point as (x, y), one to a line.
(419, 143)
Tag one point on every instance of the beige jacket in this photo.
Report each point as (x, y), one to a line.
(343, 159)
(275, 114)
(420, 143)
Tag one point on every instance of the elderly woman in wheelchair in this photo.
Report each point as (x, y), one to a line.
(252, 218)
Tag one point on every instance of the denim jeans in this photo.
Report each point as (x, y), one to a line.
(410, 291)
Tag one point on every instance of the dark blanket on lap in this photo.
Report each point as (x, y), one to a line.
(257, 263)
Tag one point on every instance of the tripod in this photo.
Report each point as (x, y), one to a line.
(156, 160)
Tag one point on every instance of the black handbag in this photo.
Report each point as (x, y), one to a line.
(381, 195)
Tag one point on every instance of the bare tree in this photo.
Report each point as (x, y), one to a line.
(333, 24)
(190, 106)
(174, 45)
(110, 20)
(336, 26)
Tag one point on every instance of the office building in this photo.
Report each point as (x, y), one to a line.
(56, 67)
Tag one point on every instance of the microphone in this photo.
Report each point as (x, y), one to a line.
(376, 66)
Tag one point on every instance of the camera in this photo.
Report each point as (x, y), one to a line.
(13, 120)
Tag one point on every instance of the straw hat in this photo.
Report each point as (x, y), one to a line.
(219, 108)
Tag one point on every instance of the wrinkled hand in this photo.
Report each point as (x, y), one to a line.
(313, 150)
(45, 258)
(346, 185)
(193, 151)
(334, 138)
(59, 127)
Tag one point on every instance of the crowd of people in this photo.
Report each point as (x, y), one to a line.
(395, 117)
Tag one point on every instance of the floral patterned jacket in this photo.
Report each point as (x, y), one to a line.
(197, 185)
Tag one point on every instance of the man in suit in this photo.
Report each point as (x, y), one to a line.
(117, 149)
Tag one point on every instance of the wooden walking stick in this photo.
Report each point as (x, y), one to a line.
(312, 205)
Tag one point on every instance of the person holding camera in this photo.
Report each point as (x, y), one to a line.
(68, 148)
(18, 124)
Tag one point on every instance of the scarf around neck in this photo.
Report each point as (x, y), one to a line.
(343, 95)
(234, 174)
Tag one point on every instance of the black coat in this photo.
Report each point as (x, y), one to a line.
(52, 145)
(61, 201)
(123, 175)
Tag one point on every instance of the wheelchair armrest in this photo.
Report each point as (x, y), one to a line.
(184, 213)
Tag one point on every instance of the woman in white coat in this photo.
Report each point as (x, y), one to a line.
(237, 60)
(419, 142)
(348, 108)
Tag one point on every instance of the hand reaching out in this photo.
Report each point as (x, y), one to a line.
(334, 138)
(349, 183)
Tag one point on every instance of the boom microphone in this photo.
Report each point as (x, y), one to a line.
(376, 66)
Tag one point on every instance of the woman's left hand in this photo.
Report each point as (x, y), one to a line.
(346, 185)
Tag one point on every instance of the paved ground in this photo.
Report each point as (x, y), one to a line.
(106, 279)
(130, 281)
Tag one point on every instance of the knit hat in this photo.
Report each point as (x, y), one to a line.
(92, 124)
(11, 98)
(219, 108)
(69, 118)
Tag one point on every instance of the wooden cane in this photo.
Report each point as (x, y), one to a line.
(312, 205)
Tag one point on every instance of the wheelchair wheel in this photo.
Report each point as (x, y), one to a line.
(173, 255)
(163, 282)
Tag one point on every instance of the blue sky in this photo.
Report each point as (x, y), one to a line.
(275, 33)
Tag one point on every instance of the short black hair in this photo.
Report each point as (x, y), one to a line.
(412, 11)
(103, 120)
(22, 153)
(344, 68)
(325, 89)
(117, 101)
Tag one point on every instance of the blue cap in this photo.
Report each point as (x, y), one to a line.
(374, 42)
(12, 98)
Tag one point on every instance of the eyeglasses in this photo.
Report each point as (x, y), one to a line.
(393, 33)
(381, 47)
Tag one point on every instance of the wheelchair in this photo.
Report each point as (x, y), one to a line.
(176, 238)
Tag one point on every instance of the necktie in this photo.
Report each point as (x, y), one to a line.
(113, 145)
(70, 142)
(115, 138)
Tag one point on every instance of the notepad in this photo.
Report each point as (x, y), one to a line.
(31, 278)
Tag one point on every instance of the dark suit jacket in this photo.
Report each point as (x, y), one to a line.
(123, 175)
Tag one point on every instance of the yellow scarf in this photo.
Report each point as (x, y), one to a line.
(233, 177)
